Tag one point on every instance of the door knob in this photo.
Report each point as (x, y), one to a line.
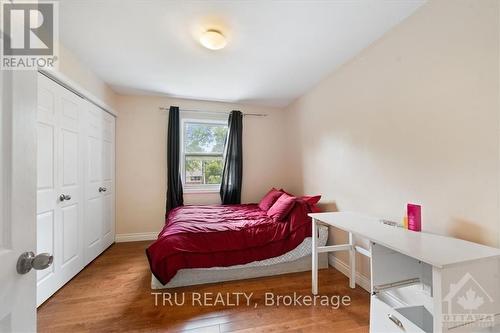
(28, 260)
(63, 197)
(102, 189)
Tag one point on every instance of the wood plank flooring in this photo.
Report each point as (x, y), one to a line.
(113, 294)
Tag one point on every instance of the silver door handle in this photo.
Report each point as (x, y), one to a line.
(63, 197)
(396, 321)
(28, 260)
(102, 189)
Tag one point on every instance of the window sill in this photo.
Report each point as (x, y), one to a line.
(201, 190)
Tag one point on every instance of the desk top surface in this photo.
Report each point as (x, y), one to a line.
(436, 250)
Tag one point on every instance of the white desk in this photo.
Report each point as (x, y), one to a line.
(425, 268)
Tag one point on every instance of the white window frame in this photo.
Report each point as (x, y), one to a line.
(201, 119)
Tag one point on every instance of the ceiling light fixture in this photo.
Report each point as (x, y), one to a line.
(213, 40)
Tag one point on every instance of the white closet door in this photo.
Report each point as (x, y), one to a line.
(94, 203)
(46, 185)
(59, 222)
(70, 182)
(108, 177)
(75, 189)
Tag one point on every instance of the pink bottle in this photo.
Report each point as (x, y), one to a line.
(414, 217)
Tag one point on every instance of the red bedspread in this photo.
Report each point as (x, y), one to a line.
(227, 235)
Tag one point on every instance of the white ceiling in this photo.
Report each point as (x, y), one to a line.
(277, 50)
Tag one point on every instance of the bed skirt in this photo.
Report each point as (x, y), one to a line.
(297, 260)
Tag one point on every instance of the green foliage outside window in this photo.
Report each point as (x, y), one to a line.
(204, 146)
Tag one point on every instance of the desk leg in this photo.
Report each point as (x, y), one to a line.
(314, 258)
(352, 263)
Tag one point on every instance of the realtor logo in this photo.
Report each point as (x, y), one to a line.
(465, 303)
(29, 35)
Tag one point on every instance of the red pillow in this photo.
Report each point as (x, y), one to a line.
(281, 207)
(283, 190)
(314, 209)
(269, 199)
(311, 199)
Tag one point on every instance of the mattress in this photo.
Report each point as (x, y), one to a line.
(193, 276)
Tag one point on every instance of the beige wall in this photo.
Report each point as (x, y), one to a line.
(413, 118)
(141, 158)
(76, 70)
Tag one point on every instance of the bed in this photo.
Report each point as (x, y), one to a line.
(214, 243)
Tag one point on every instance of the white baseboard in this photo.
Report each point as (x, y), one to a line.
(139, 236)
(361, 280)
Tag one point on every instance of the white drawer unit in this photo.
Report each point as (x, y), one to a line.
(387, 316)
(421, 282)
(75, 158)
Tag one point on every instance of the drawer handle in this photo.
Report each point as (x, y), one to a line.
(102, 189)
(396, 321)
(63, 197)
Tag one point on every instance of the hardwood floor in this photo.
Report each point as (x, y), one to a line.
(113, 294)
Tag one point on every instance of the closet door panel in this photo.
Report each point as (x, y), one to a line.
(108, 227)
(107, 162)
(69, 158)
(46, 112)
(46, 151)
(46, 148)
(71, 184)
(108, 157)
(59, 220)
(45, 225)
(94, 172)
(108, 144)
(47, 204)
(95, 161)
(108, 126)
(94, 222)
(70, 234)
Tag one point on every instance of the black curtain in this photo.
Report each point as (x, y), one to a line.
(230, 188)
(174, 182)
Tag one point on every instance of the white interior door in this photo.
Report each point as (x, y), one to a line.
(99, 182)
(17, 198)
(59, 189)
(70, 184)
(47, 151)
(108, 176)
(94, 204)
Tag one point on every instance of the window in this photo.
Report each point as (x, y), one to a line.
(202, 151)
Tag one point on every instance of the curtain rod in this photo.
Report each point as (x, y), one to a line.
(162, 108)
